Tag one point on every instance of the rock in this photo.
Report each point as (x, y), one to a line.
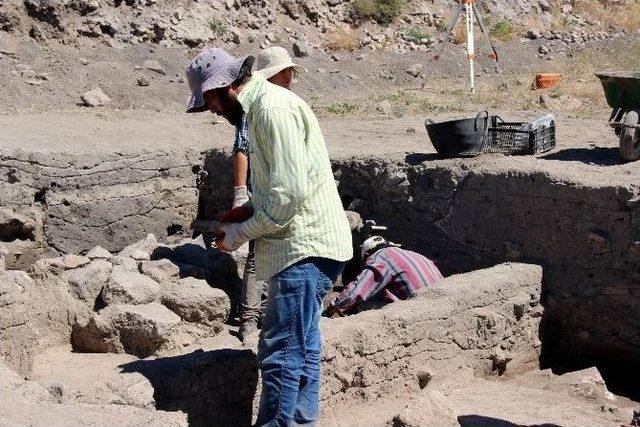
(430, 409)
(148, 245)
(635, 421)
(135, 329)
(86, 283)
(71, 261)
(385, 107)
(98, 252)
(543, 49)
(126, 287)
(500, 359)
(533, 34)
(196, 302)
(160, 270)
(34, 82)
(335, 57)
(236, 36)
(140, 255)
(124, 263)
(37, 34)
(95, 98)
(544, 5)
(301, 48)
(142, 81)
(271, 37)
(586, 384)
(415, 70)
(153, 65)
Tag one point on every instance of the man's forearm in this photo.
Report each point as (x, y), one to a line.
(240, 169)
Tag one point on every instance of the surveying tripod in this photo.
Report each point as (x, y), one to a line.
(470, 13)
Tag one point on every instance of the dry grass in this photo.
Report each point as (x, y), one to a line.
(625, 16)
(342, 39)
(503, 31)
(459, 33)
(383, 11)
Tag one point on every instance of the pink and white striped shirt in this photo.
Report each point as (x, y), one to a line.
(391, 273)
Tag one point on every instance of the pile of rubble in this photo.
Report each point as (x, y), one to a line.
(147, 299)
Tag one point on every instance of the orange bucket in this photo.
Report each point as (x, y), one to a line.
(547, 80)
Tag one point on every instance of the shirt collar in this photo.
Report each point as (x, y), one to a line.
(250, 92)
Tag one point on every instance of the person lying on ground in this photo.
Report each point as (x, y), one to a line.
(390, 274)
(275, 65)
(301, 231)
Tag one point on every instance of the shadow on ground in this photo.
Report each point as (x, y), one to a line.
(414, 159)
(482, 421)
(601, 156)
(214, 388)
(219, 269)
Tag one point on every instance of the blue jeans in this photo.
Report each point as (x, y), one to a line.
(290, 346)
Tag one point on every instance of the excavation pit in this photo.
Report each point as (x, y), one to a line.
(574, 212)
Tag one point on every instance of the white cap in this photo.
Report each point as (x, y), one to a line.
(374, 241)
(274, 59)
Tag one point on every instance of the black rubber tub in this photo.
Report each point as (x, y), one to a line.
(458, 138)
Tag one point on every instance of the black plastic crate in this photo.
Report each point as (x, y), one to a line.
(519, 137)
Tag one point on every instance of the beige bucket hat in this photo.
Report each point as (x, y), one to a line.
(274, 59)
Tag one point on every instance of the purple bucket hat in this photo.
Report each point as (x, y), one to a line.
(213, 68)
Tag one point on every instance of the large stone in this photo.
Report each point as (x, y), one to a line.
(148, 245)
(430, 409)
(196, 302)
(95, 98)
(301, 48)
(86, 283)
(122, 328)
(126, 287)
(99, 253)
(585, 384)
(71, 261)
(160, 270)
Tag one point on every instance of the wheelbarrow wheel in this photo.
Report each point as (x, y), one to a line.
(630, 137)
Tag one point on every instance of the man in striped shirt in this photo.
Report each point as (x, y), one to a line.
(302, 236)
(390, 274)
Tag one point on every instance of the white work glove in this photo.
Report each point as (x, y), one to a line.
(240, 196)
(233, 237)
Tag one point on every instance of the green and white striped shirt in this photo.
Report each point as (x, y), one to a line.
(297, 211)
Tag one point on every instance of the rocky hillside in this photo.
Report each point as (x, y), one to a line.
(325, 24)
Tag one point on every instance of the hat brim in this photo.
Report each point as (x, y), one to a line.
(267, 73)
(196, 102)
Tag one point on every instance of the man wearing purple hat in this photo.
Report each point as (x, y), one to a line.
(302, 236)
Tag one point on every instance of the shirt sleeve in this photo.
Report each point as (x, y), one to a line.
(241, 143)
(369, 283)
(282, 142)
